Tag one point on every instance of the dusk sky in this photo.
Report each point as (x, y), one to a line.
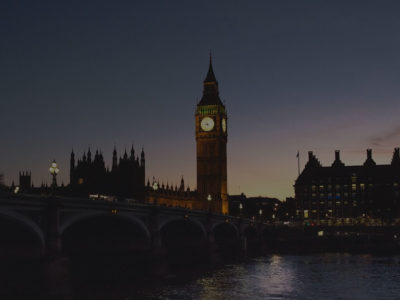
(294, 75)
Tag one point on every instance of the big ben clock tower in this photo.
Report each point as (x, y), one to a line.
(211, 139)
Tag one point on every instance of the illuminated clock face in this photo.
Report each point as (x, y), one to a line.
(223, 125)
(207, 124)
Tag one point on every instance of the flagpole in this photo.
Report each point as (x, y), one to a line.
(298, 162)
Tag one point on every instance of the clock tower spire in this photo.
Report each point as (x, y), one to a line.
(211, 140)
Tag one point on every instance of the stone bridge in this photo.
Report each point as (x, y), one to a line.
(47, 226)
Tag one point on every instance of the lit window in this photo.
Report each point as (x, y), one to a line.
(80, 181)
(305, 214)
(353, 187)
(362, 186)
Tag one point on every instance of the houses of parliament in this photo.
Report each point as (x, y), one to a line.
(126, 177)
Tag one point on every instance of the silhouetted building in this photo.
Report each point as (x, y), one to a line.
(25, 183)
(125, 179)
(260, 208)
(342, 194)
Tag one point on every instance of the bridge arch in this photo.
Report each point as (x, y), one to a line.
(26, 222)
(87, 215)
(229, 224)
(197, 223)
(184, 240)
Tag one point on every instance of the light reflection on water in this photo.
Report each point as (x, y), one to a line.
(327, 276)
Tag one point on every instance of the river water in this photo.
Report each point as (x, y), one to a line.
(324, 276)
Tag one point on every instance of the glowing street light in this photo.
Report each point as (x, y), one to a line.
(209, 198)
(155, 188)
(54, 171)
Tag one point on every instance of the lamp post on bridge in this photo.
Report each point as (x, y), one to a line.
(54, 171)
(209, 198)
(155, 188)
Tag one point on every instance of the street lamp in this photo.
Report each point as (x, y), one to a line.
(260, 213)
(155, 188)
(240, 209)
(54, 171)
(209, 198)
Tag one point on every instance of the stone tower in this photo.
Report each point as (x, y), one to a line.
(211, 139)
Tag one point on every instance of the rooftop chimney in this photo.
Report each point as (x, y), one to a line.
(369, 162)
(369, 153)
(337, 154)
(310, 155)
(337, 162)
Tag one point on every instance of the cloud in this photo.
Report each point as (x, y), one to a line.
(390, 135)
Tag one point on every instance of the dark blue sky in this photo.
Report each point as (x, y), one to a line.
(295, 75)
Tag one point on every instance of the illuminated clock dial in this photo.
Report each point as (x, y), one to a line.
(207, 124)
(223, 124)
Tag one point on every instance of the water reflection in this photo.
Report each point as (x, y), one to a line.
(328, 276)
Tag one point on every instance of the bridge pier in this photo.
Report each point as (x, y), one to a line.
(212, 247)
(243, 245)
(57, 267)
(53, 239)
(158, 251)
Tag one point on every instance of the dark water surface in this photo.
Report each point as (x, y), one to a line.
(325, 276)
(318, 276)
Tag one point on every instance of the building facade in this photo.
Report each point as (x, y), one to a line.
(125, 179)
(340, 194)
(173, 196)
